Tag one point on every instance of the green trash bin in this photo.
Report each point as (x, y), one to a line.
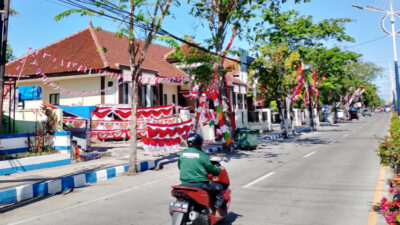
(247, 139)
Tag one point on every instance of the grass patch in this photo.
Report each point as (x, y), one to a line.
(26, 154)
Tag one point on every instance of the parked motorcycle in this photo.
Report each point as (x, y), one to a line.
(193, 205)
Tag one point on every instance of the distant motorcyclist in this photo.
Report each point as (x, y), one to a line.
(194, 166)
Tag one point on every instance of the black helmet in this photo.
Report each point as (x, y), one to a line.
(195, 140)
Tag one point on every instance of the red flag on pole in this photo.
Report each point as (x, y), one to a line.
(300, 78)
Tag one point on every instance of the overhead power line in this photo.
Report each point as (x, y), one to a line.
(370, 41)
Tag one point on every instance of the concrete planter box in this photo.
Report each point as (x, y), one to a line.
(14, 143)
(34, 163)
(61, 141)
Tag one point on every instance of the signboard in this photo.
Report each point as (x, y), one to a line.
(236, 89)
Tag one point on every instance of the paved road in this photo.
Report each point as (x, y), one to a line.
(324, 177)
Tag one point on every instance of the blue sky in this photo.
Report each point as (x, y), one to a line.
(36, 28)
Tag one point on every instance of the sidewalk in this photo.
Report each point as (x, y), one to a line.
(114, 162)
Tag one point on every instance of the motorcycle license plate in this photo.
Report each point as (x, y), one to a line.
(179, 206)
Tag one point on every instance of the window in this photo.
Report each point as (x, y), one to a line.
(144, 87)
(154, 96)
(165, 99)
(125, 93)
(173, 99)
(55, 99)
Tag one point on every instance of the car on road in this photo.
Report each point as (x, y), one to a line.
(366, 112)
(353, 113)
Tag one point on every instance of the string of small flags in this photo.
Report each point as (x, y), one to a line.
(89, 70)
(46, 81)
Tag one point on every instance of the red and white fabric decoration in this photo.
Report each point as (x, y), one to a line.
(110, 125)
(110, 134)
(101, 112)
(185, 108)
(155, 112)
(142, 123)
(162, 80)
(190, 94)
(166, 137)
(74, 122)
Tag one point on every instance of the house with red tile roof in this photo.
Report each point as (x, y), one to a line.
(91, 67)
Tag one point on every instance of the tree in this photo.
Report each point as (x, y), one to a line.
(274, 71)
(147, 16)
(332, 62)
(221, 15)
(299, 34)
(10, 54)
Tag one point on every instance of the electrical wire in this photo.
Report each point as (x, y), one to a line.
(117, 11)
(370, 41)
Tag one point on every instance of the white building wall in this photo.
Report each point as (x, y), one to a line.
(76, 84)
(170, 89)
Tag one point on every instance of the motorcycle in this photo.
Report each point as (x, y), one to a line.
(193, 205)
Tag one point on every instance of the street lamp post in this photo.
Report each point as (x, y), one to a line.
(393, 33)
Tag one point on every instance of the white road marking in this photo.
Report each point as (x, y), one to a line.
(309, 154)
(346, 135)
(258, 179)
(88, 202)
(332, 142)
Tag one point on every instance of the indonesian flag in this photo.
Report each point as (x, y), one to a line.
(355, 94)
(314, 77)
(300, 78)
(362, 91)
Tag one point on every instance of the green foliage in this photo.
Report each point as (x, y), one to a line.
(297, 30)
(47, 151)
(273, 106)
(275, 70)
(305, 37)
(389, 148)
(370, 96)
(70, 12)
(10, 54)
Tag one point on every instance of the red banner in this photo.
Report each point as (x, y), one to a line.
(155, 112)
(297, 88)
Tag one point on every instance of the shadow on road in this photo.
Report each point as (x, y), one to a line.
(230, 219)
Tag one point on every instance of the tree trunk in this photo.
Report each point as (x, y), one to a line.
(133, 142)
(310, 106)
(283, 115)
(135, 69)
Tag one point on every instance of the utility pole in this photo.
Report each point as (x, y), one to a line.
(393, 33)
(4, 13)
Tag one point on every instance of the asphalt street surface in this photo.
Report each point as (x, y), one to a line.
(324, 177)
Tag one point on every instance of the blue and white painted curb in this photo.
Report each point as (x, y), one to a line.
(51, 187)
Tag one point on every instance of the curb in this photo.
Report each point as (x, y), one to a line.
(56, 186)
(279, 135)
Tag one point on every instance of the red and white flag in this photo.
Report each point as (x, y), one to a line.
(300, 78)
